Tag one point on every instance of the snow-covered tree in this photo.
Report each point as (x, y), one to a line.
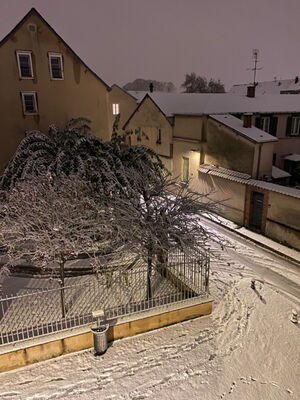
(163, 217)
(198, 84)
(75, 151)
(46, 222)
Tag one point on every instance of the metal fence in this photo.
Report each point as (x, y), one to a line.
(118, 292)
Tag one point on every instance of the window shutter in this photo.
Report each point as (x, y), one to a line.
(257, 122)
(288, 126)
(273, 126)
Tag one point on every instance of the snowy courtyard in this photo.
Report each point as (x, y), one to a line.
(248, 349)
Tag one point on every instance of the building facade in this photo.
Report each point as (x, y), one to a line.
(44, 82)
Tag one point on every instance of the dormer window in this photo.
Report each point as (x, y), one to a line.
(25, 64)
(56, 66)
(29, 103)
(116, 109)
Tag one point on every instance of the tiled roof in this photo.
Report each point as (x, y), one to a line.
(247, 180)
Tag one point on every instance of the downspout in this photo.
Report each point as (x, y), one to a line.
(258, 161)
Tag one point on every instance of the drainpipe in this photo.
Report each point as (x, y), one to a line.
(258, 161)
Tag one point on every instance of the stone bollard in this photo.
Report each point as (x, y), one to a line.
(294, 317)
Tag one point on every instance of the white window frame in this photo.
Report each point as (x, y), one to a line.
(34, 101)
(56, 55)
(116, 108)
(24, 53)
(265, 124)
(295, 126)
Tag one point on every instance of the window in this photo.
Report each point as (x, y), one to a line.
(295, 127)
(265, 124)
(116, 109)
(185, 170)
(56, 66)
(158, 141)
(25, 64)
(29, 103)
(274, 159)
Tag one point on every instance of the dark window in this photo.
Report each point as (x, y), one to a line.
(29, 103)
(274, 158)
(25, 65)
(56, 67)
(158, 136)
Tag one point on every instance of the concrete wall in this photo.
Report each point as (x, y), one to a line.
(188, 126)
(48, 348)
(280, 217)
(182, 149)
(229, 194)
(226, 149)
(149, 119)
(79, 94)
(283, 219)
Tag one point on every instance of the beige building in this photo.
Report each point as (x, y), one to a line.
(189, 140)
(225, 156)
(43, 82)
(277, 115)
(264, 207)
(121, 103)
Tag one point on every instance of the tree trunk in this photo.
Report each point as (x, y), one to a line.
(149, 272)
(62, 290)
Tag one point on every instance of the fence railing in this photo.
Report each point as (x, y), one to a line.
(118, 292)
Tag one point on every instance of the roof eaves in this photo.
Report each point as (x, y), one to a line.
(242, 134)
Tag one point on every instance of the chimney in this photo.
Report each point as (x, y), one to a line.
(151, 87)
(247, 120)
(251, 91)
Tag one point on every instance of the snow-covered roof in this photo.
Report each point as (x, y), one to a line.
(247, 180)
(293, 157)
(252, 133)
(278, 173)
(269, 87)
(220, 103)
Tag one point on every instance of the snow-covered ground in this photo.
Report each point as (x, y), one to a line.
(248, 349)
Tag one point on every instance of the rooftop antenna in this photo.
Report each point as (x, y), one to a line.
(255, 68)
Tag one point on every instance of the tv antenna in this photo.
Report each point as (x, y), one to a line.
(255, 61)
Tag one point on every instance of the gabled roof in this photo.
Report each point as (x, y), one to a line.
(33, 11)
(253, 134)
(138, 107)
(220, 103)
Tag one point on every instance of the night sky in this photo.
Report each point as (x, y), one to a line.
(163, 39)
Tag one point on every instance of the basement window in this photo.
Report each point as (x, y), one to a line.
(29, 103)
(25, 64)
(56, 66)
(116, 109)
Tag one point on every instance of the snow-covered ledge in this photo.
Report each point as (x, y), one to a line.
(74, 339)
